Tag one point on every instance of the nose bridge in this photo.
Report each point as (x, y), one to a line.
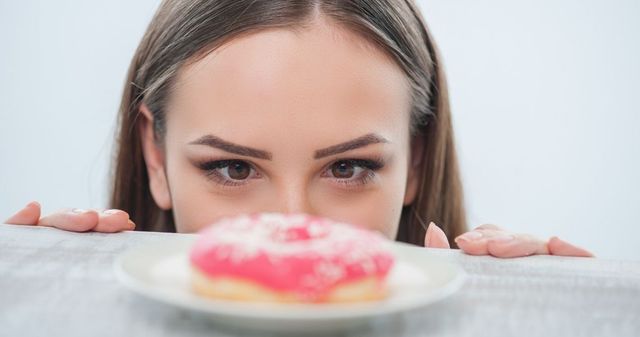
(294, 198)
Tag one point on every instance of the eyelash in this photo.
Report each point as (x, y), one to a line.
(370, 167)
(211, 168)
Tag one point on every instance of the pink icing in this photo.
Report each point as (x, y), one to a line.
(293, 253)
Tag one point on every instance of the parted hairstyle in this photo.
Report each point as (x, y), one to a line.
(183, 31)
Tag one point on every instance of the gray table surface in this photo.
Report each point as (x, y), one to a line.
(56, 283)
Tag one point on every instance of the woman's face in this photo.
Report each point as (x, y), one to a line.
(314, 121)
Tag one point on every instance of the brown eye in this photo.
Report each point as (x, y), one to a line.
(342, 170)
(238, 170)
(229, 172)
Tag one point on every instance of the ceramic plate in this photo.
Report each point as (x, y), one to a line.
(160, 271)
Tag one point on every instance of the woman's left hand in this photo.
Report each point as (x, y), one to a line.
(495, 241)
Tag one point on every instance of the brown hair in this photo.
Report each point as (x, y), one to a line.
(184, 30)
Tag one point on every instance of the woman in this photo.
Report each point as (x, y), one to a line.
(335, 108)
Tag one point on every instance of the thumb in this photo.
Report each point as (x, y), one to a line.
(435, 237)
(29, 215)
(563, 248)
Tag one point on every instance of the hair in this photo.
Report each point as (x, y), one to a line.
(184, 30)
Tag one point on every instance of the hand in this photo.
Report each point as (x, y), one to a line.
(495, 241)
(75, 220)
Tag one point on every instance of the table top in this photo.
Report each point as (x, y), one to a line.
(58, 283)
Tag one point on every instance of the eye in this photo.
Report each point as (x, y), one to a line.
(344, 169)
(229, 172)
(238, 170)
(353, 172)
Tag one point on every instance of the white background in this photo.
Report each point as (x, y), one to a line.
(544, 96)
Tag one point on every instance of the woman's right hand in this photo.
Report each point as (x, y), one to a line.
(75, 219)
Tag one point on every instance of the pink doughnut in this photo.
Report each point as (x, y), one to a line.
(289, 258)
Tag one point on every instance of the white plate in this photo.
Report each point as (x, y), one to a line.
(161, 272)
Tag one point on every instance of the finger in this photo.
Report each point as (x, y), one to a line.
(563, 248)
(515, 245)
(29, 215)
(488, 226)
(499, 243)
(113, 220)
(435, 237)
(473, 243)
(76, 220)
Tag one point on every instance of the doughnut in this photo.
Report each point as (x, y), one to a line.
(272, 257)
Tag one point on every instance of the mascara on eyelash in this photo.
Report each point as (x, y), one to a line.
(349, 183)
(211, 171)
(213, 164)
(371, 164)
(211, 168)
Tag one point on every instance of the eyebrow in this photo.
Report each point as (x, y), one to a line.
(213, 141)
(357, 143)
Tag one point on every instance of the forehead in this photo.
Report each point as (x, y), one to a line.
(319, 78)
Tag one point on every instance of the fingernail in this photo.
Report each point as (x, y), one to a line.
(132, 224)
(79, 211)
(427, 237)
(111, 211)
(430, 227)
(502, 238)
(33, 203)
(470, 236)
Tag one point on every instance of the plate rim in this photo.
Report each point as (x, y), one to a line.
(279, 311)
